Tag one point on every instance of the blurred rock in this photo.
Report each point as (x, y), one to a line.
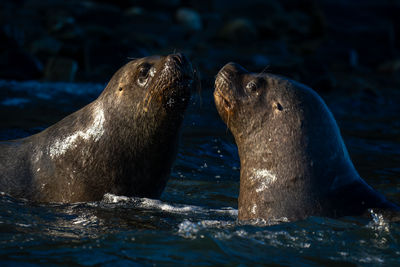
(366, 26)
(11, 35)
(148, 17)
(292, 25)
(238, 30)
(353, 58)
(311, 11)
(160, 3)
(252, 9)
(307, 47)
(337, 56)
(167, 3)
(390, 66)
(298, 23)
(16, 64)
(189, 18)
(46, 46)
(98, 32)
(134, 11)
(64, 28)
(60, 69)
(201, 6)
(100, 14)
(308, 40)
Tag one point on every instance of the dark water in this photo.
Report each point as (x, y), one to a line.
(195, 222)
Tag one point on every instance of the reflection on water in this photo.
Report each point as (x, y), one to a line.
(195, 222)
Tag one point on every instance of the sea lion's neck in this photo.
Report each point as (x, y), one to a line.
(87, 125)
(99, 129)
(278, 179)
(272, 193)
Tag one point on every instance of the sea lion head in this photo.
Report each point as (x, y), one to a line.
(289, 144)
(157, 87)
(250, 103)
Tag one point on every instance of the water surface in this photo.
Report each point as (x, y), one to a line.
(195, 221)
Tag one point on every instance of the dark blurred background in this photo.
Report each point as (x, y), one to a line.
(327, 44)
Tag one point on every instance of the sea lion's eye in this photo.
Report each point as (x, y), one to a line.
(143, 74)
(144, 70)
(251, 87)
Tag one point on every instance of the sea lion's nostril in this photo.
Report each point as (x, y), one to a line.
(178, 59)
(278, 106)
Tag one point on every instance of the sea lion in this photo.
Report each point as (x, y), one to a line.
(294, 163)
(123, 143)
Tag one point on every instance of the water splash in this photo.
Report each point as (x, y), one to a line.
(378, 222)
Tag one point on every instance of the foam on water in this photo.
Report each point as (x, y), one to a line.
(378, 222)
(92, 224)
(111, 198)
(155, 204)
(189, 229)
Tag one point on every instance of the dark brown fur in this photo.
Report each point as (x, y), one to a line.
(293, 160)
(123, 143)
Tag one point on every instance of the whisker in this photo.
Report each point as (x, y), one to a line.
(150, 95)
(265, 69)
(197, 81)
(147, 99)
(227, 122)
(148, 103)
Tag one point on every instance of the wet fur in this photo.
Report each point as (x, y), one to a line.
(132, 157)
(294, 163)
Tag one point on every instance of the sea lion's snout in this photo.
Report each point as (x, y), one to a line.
(229, 75)
(225, 93)
(183, 66)
(235, 89)
(178, 58)
(178, 79)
